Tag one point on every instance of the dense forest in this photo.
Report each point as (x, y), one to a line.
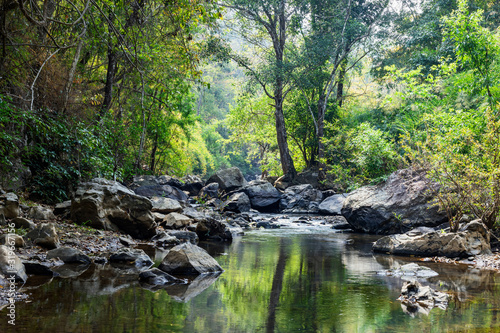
(349, 89)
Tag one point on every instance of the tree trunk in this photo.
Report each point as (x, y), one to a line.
(340, 82)
(71, 76)
(321, 147)
(110, 80)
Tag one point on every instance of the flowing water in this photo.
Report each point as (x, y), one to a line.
(300, 278)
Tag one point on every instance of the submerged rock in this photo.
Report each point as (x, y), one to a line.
(157, 277)
(411, 271)
(472, 239)
(400, 204)
(416, 298)
(186, 292)
(189, 259)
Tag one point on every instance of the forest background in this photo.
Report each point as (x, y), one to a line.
(349, 89)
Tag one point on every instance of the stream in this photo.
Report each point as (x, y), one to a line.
(299, 278)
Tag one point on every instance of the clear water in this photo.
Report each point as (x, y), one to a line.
(297, 279)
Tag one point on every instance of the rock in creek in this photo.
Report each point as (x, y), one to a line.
(332, 205)
(11, 265)
(416, 298)
(213, 229)
(164, 239)
(157, 277)
(136, 257)
(105, 204)
(228, 179)
(473, 239)
(69, 255)
(263, 195)
(237, 202)
(189, 259)
(400, 204)
(301, 199)
(44, 235)
(184, 236)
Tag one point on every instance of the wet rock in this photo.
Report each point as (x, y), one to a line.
(300, 199)
(69, 255)
(400, 204)
(189, 259)
(63, 208)
(228, 179)
(237, 202)
(263, 196)
(177, 221)
(38, 267)
(185, 236)
(165, 205)
(136, 257)
(186, 292)
(411, 271)
(44, 235)
(416, 298)
(157, 277)
(68, 271)
(267, 225)
(213, 229)
(471, 240)
(9, 205)
(332, 205)
(11, 265)
(11, 240)
(105, 204)
(164, 239)
(211, 190)
(41, 213)
(21, 222)
(165, 191)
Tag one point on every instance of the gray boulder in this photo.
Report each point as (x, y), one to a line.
(165, 205)
(44, 235)
(69, 255)
(228, 179)
(164, 239)
(416, 298)
(192, 184)
(301, 199)
(129, 256)
(169, 180)
(105, 204)
(473, 239)
(177, 221)
(213, 229)
(11, 265)
(185, 236)
(144, 180)
(189, 259)
(41, 213)
(262, 195)
(332, 205)
(211, 190)
(165, 191)
(237, 202)
(400, 204)
(9, 205)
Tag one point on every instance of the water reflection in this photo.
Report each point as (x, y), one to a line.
(274, 281)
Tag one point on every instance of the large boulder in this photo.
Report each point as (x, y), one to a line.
(166, 191)
(189, 259)
(211, 190)
(228, 179)
(332, 205)
(9, 205)
(473, 239)
(237, 202)
(44, 235)
(11, 265)
(301, 199)
(165, 205)
(262, 195)
(106, 204)
(400, 204)
(177, 221)
(213, 229)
